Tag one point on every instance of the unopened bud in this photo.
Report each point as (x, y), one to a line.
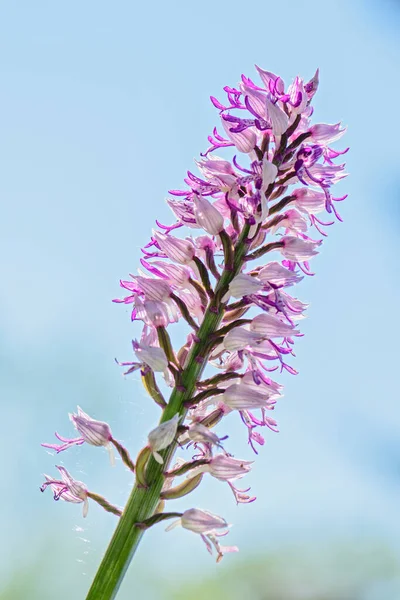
(162, 436)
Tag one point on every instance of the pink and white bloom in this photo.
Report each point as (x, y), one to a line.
(278, 118)
(208, 526)
(244, 285)
(156, 290)
(244, 140)
(155, 314)
(298, 96)
(218, 172)
(293, 222)
(240, 396)
(153, 356)
(150, 357)
(269, 173)
(177, 276)
(201, 521)
(93, 432)
(240, 338)
(193, 302)
(200, 434)
(180, 251)
(207, 216)
(309, 201)
(271, 326)
(297, 249)
(227, 468)
(276, 274)
(327, 134)
(67, 489)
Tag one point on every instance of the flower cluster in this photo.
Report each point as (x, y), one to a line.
(239, 305)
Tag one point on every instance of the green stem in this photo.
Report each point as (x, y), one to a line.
(143, 502)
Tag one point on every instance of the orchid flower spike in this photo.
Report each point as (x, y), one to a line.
(244, 230)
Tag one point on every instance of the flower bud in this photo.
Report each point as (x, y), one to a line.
(162, 436)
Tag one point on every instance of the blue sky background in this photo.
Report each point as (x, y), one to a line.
(104, 107)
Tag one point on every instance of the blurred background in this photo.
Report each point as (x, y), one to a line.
(104, 106)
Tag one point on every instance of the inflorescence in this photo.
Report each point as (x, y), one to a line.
(239, 307)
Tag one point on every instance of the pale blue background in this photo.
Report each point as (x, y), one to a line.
(103, 106)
